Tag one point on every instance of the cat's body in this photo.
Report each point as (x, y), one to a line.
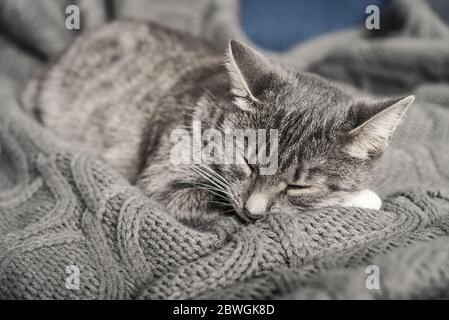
(121, 91)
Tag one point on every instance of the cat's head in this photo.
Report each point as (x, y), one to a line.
(328, 141)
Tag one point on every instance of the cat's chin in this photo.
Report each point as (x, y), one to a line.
(364, 199)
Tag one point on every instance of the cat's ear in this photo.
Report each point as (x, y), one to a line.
(251, 73)
(375, 127)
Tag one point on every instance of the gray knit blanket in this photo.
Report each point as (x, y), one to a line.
(72, 228)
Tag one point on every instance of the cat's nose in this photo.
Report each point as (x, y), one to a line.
(257, 205)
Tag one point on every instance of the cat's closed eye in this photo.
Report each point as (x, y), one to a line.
(298, 187)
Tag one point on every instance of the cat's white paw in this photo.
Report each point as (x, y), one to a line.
(364, 199)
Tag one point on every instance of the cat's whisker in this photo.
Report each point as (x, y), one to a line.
(221, 193)
(221, 203)
(213, 172)
(229, 211)
(206, 178)
(212, 192)
(380, 185)
(208, 186)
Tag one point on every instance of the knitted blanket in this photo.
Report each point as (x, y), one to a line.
(72, 228)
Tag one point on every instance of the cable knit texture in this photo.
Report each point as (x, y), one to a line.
(60, 207)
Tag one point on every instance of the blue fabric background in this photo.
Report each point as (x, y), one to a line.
(278, 25)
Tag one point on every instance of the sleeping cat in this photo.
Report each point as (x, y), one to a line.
(121, 90)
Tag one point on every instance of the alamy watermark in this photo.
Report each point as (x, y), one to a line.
(228, 146)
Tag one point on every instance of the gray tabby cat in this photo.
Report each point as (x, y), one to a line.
(122, 89)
